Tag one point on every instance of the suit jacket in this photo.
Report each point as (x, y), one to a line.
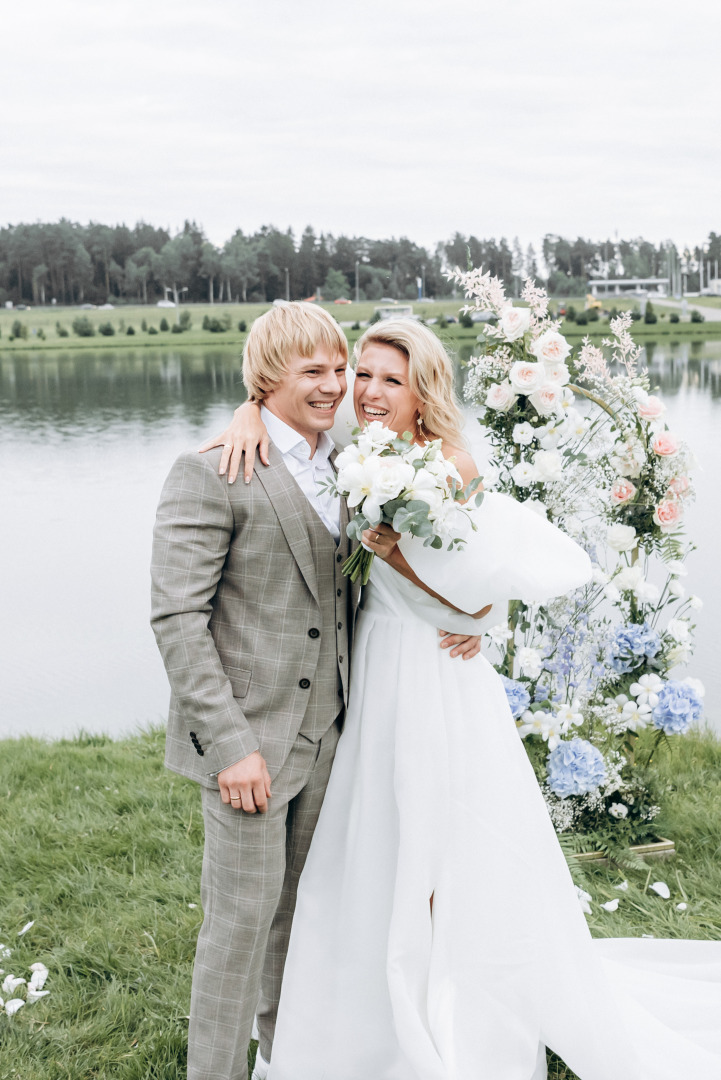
(234, 594)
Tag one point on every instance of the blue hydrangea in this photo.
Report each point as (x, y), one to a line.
(518, 697)
(678, 707)
(575, 767)
(632, 646)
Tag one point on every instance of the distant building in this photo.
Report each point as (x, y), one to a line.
(395, 311)
(633, 286)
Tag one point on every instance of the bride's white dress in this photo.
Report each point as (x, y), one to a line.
(432, 794)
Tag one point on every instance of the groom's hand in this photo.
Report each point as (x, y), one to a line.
(246, 785)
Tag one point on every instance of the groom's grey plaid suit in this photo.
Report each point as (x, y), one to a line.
(253, 618)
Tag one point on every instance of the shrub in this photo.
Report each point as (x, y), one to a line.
(185, 322)
(375, 317)
(356, 325)
(130, 331)
(216, 326)
(635, 315)
(152, 329)
(674, 317)
(164, 324)
(592, 314)
(83, 327)
(571, 313)
(41, 334)
(582, 318)
(144, 326)
(696, 316)
(206, 322)
(106, 329)
(242, 326)
(466, 320)
(19, 329)
(176, 328)
(61, 330)
(442, 322)
(650, 316)
(227, 321)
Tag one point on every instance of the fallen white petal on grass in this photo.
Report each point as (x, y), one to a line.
(39, 976)
(35, 995)
(649, 936)
(662, 889)
(5, 952)
(681, 907)
(192, 905)
(10, 984)
(12, 1006)
(623, 886)
(26, 927)
(610, 905)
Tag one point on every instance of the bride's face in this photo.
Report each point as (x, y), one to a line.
(381, 390)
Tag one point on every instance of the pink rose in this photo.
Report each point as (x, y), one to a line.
(621, 492)
(551, 347)
(526, 377)
(679, 486)
(668, 514)
(664, 444)
(651, 408)
(547, 400)
(500, 396)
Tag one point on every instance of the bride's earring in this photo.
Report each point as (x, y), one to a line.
(420, 425)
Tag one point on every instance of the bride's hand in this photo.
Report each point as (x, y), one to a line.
(245, 434)
(464, 645)
(381, 540)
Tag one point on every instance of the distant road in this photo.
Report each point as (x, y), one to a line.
(710, 314)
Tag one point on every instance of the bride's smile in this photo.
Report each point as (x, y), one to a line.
(381, 390)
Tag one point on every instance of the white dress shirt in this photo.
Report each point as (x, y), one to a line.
(307, 470)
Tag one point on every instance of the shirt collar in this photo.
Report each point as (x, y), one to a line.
(290, 441)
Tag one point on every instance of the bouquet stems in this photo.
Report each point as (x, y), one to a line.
(359, 565)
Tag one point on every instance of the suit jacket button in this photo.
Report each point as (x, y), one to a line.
(304, 684)
(314, 632)
(193, 736)
(200, 750)
(340, 625)
(339, 558)
(339, 592)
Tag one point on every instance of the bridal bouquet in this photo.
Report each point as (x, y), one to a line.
(394, 481)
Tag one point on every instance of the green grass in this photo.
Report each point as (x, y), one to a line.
(102, 847)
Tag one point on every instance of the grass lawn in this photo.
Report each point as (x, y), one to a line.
(101, 847)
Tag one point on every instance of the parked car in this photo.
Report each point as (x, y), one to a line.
(481, 316)
(342, 300)
(165, 303)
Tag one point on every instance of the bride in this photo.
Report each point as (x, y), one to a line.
(437, 933)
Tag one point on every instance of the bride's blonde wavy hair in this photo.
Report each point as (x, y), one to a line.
(430, 374)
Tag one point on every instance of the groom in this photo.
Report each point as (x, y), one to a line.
(253, 617)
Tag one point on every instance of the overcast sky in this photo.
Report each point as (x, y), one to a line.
(377, 119)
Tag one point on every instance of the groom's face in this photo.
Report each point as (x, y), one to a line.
(310, 393)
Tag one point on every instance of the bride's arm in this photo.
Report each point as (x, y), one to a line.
(245, 434)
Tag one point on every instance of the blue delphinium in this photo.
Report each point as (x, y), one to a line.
(633, 645)
(678, 707)
(518, 697)
(575, 767)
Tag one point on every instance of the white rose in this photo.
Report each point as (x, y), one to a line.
(629, 578)
(376, 435)
(679, 654)
(557, 373)
(679, 630)
(523, 434)
(547, 400)
(695, 602)
(612, 593)
(621, 537)
(393, 476)
(676, 589)
(677, 568)
(523, 474)
(530, 662)
(514, 322)
(617, 810)
(526, 377)
(548, 465)
(551, 347)
(647, 593)
(500, 396)
(491, 476)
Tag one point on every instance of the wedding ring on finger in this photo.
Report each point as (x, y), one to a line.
(227, 446)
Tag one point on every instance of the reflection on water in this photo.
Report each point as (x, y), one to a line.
(86, 440)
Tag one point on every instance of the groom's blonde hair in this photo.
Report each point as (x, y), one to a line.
(292, 327)
(430, 374)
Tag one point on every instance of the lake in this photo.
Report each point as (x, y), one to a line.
(86, 439)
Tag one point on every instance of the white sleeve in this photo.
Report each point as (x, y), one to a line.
(345, 417)
(514, 555)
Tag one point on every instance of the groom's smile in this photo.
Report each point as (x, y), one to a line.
(310, 393)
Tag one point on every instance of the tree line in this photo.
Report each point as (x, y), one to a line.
(70, 263)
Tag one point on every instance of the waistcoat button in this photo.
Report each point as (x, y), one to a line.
(313, 632)
(304, 684)
(340, 625)
(339, 592)
(339, 558)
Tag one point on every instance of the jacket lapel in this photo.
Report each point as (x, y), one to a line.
(286, 496)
